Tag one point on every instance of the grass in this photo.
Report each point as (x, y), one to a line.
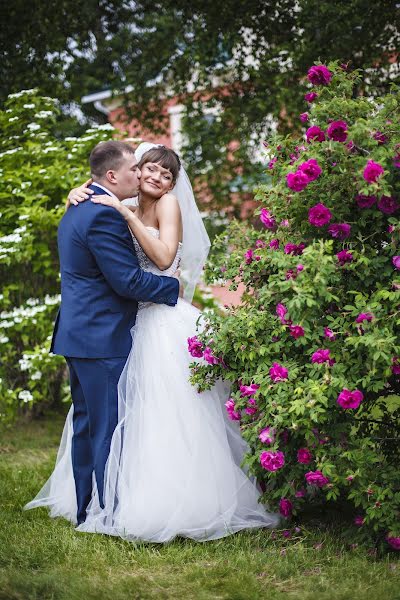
(45, 559)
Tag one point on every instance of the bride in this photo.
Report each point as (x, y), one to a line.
(174, 463)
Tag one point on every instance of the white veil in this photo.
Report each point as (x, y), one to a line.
(196, 243)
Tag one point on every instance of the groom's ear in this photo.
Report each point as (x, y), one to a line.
(110, 176)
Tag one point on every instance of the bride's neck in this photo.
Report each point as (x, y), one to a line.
(146, 203)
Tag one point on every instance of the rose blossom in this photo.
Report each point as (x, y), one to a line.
(321, 356)
(209, 357)
(380, 137)
(340, 231)
(372, 171)
(315, 133)
(260, 244)
(337, 131)
(396, 161)
(319, 75)
(267, 435)
(297, 181)
(278, 372)
(272, 461)
(359, 520)
(304, 117)
(365, 201)
(319, 215)
(300, 268)
(348, 399)
(310, 97)
(388, 205)
(396, 261)
(230, 409)
(295, 249)
(248, 390)
(195, 347)
(304, 456)
(285, 508)
(300, 493)
(344, 256)
(296, 331)
(364, 317)
(316, 478)
(249, 256)
(396, 365)
(328, 333)
(281, 311)
(311, 168)
(394, 542)
(267, 219)
(284, 223)
(272, 162)
(252, 407)
(274, 244)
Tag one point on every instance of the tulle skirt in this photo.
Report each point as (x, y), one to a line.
(174, 464)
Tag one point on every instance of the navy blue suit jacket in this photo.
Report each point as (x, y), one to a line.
(101, 283)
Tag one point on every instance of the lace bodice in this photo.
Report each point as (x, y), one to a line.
(147, 265)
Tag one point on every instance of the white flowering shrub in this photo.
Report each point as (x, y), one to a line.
(37, 170)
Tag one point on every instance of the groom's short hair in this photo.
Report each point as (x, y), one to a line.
(108, 156)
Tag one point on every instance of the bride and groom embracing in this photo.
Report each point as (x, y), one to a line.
(143, 455)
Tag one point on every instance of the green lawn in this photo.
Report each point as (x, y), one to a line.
(43, 559)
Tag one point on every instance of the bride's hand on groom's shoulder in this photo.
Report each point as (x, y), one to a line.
(79, 194)
(114, 203)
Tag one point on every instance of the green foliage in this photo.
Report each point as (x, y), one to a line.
(37, 171)
(356, 449)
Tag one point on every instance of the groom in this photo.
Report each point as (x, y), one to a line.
(101, 285)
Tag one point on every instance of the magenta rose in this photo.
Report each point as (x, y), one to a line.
(274, 244)
(380, 137)
(285, 508)
(359, 520)
(248, 255)
(267, 219)
(328, 333)
(365, 201)
(316, 478)
(364, 317)
(337, 131)
(267, 435)
(297, 181)
(230, 409)
(304, 117)
(195, 347)
(281, 311)
(295, 249)
(321, 356)
(396, 365)
(296, 331)
(340, 231)
(396, 261)
(319, 75)
(394, 542)
(300, 493)
(388, 205)
(304, 456)
(372, 171)
(310, 97)
(278, 372)
(344, 256)
(252, 407)
(311, 168)
(272, 162)
(396, 161)
(348, 399)
(210, 357)
(319, 215)
(260, 244)
(248, 390)
(272, 461)
(315, 133)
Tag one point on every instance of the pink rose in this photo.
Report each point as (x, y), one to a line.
(396, 365)
(388, 205)
(344, 256)
(278, 372)
(337, 131)
(311, 168)
(364, 317)
(267, 219)
(319, 75)
(285, 508)
(195, 347)
(272, 162)
(319, 215)
(372, 171)
(328, 333)
(272, 461)
(274, 244)
(315, 133)
(396, 261)
(252, 407)
(359, 520)
(295, 249)
(300, 493)
(230, 409)
(260, 244)
(316, 478)
(365, 201)
(304, 456)
(396, 161)
(304, 117)
(296, 331)
(321, 356)
(340, 231)
(267, 435)
(297, 181)
(284, 223)
(380, 137)
(248, 390)
(249, 256)
(281, 311)
(348, 399)
(209, 356)
(394, 542)
(300, 268)
(310, 97)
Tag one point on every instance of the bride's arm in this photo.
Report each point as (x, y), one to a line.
(161, 251)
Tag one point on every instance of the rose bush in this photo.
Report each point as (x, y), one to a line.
(326, 382)
(37, 170)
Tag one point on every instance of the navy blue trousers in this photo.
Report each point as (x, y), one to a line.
(94, 389)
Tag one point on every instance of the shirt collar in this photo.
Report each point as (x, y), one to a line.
(102, 187)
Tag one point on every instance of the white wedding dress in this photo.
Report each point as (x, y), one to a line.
(174, 464)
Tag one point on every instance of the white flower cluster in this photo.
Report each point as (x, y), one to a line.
(11, 151)
(33, 126)
(44, 114)
(22, 93)
(15, 237)
(25, 396)
(24, 313)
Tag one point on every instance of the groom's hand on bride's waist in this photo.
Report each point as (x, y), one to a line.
(177, 275)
